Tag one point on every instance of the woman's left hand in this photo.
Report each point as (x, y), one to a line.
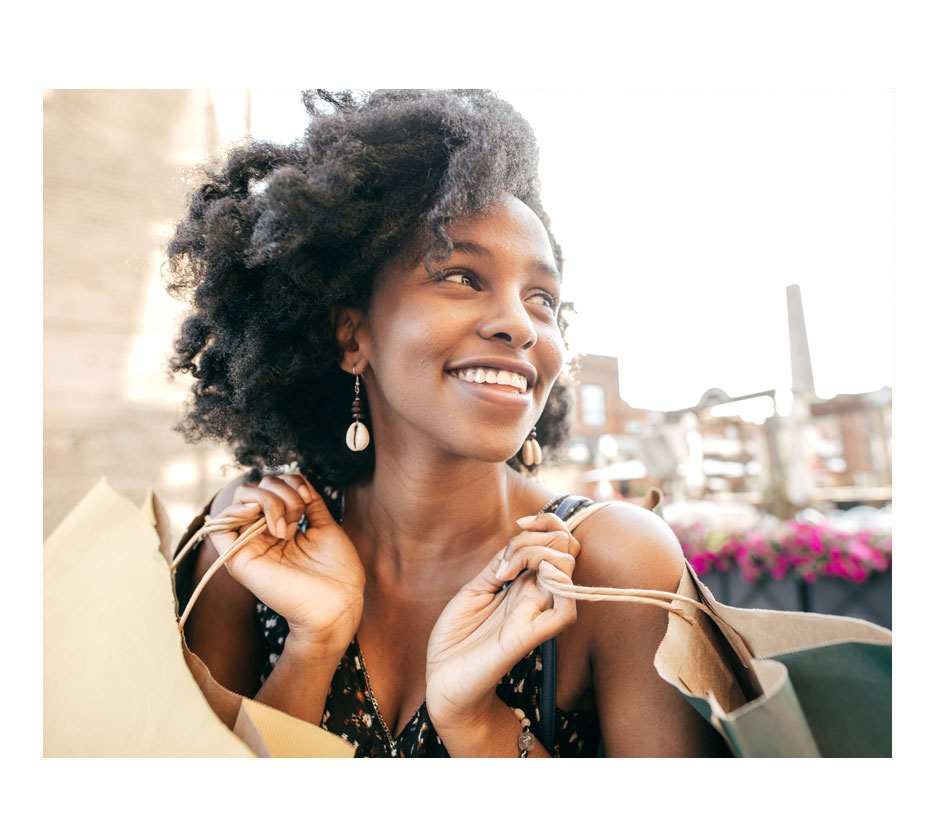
(485, 629)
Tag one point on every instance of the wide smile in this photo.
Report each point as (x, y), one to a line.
(498, 386)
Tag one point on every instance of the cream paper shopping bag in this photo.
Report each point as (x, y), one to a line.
(115, 678)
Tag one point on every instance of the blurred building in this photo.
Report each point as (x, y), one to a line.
(815, 452)
(729, 448)
(852, 445)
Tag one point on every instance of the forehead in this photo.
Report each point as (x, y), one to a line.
(507, 228)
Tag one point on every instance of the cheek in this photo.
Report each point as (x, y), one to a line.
(408, 351)
(552, 356)
(414, 340)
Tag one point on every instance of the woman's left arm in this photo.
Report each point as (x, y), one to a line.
(641, 715)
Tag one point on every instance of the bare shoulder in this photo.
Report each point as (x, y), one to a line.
(225, 496)
(626, 546)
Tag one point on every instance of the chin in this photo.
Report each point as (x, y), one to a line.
(496, 455)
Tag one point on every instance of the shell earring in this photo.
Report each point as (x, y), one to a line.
(531, 450)
(358, 436)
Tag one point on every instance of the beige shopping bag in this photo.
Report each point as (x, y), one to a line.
(118, 680)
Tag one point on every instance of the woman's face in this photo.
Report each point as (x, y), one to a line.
(464, 358)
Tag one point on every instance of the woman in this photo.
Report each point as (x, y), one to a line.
(393, 278)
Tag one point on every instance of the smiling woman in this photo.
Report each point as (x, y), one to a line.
(395, 271)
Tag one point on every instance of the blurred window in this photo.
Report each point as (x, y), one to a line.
(593, 405)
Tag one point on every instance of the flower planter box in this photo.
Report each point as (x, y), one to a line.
(795, 566)
(765, 593)
(870, 600)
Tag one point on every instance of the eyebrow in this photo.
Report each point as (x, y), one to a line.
(474, 249)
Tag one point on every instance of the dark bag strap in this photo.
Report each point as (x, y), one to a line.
(566, 507)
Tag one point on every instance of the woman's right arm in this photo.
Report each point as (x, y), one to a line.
(288, 573)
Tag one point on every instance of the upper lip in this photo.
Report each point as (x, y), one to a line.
(520, 367)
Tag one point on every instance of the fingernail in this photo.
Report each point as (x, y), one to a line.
(501, 571)
(526, 520)
(282, 528)
(304, 494)
(548, 569)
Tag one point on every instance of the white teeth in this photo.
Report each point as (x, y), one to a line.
(479, 375)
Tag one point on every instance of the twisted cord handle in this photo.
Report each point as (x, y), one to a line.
(211, 526)
(664, 600)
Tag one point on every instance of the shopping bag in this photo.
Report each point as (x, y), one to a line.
(780, 683)
(773, 683)
(118, 679)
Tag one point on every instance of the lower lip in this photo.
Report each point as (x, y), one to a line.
(495, 394)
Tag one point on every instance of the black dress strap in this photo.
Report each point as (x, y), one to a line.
(563, 506)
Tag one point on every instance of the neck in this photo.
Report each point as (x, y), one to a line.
(443, 517)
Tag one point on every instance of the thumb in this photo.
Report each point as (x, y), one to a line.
(316, 510)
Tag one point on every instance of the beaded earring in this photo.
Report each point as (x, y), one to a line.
(531, 450)
(358, 436)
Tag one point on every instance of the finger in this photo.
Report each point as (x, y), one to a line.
(299, 483)
(550, 615)
(242, 509)
(313, 505)
(272, 504)
(558, 540)
(549, 523)
(294, 502)
(531, 557)
(563, 611)
(249, 511)
(316, 510)
(282, 486)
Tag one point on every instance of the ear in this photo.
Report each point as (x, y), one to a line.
(348, 323)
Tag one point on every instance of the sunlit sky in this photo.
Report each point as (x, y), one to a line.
(683, 216)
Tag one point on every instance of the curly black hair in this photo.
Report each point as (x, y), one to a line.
(280, 234)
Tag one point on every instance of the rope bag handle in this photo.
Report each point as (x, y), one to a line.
(211, 526)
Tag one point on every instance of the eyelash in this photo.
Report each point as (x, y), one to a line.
(444, 275)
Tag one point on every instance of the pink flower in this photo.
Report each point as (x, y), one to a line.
(807, 549)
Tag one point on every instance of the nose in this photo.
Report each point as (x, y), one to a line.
(508, 320)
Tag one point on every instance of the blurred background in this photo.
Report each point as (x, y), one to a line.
(730, 256)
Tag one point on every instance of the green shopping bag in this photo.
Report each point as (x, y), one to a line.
(780, 683)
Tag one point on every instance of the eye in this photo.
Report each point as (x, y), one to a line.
(465, 277)
(545, 300)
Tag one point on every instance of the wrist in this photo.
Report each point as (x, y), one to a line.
(315, 649)
(323, 642)
(494, 731)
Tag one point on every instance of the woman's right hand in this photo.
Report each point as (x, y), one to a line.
(314, 579)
